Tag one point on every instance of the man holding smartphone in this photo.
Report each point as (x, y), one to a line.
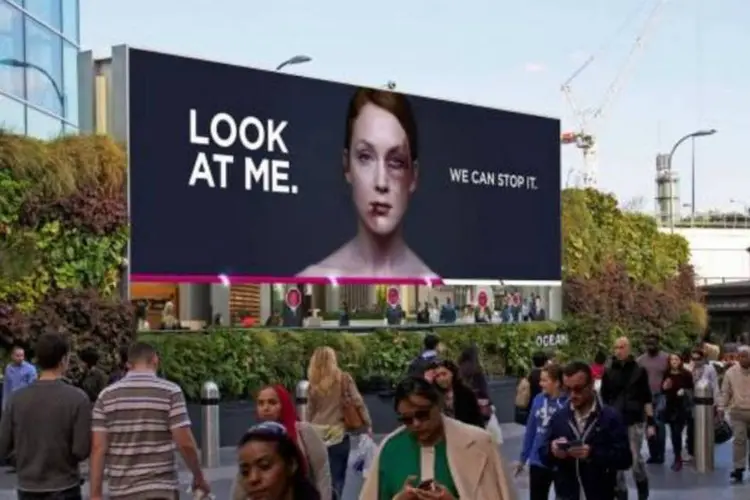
(586, 443)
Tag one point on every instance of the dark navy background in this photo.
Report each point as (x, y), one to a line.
(459, 230)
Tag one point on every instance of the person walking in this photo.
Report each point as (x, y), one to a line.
(735, 403)
(472, 373)
(18, 374)
(586, 443)
(544, 406)
(335, 408)
(271, 467)
(703, 371)
(429, 354)
(94, 379)
(529, 387)
(459, 400)
(137, 424)
(47, 425)
(655, 362)
(677, 388)
(274, 404)
(122, 365)
(625, 387)
(432, 456)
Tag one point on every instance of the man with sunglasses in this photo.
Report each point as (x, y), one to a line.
(586, 443)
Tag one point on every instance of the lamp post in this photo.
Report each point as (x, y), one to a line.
(17, 63)
(298, 59)
(692, 136)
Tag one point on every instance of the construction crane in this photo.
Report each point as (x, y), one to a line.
(584, 138)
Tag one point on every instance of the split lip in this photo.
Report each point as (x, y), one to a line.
(376, 206)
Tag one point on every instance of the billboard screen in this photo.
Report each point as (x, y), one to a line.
(267, 177)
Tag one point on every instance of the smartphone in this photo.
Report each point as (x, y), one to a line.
(428, 485)
(569, 445)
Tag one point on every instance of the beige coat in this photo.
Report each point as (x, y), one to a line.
(316, 453)
(478, 470)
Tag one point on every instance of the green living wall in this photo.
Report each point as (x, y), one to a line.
(622, 274)
(241, 361)
(63, 231)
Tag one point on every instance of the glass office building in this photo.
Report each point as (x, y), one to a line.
(39, 44)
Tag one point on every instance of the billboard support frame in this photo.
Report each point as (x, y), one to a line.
(120, 119)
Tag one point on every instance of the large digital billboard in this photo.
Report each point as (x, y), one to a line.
(267, 177)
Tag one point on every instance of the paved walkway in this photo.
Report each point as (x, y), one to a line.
(665, 484)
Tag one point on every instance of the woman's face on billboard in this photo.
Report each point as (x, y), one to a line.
(380, 169)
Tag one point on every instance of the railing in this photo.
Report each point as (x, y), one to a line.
(706, 281)
(732, 220)
(360, 329)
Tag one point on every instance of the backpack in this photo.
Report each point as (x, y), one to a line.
(523, 399)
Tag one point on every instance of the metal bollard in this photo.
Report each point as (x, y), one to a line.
(704, 427)
(300, 396)
(210, 419)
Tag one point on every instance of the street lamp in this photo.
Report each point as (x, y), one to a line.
(17, 63)
(298, 59)
(692, 136)
(390, 85)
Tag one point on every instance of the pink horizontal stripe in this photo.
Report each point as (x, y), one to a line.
(240, 280)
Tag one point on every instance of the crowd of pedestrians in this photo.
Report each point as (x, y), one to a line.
(131, 424)
(586, 424)
(511, 308)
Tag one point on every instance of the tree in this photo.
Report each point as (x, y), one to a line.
(636, 204)
(596, 233)
(621, 273)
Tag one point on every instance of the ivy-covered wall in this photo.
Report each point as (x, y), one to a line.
(63, 231)
(620, 273)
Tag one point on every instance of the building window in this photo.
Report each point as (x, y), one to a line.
(70, 82)
(43, 126)
(70, 17)
(44, 68)
(11, 49)
(12, 115)
(47, 11)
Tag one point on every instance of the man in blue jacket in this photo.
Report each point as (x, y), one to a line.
(585, 443)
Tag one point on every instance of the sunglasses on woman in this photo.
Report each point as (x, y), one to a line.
(422, 415)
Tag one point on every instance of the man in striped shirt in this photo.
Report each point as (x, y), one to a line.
(136, 424)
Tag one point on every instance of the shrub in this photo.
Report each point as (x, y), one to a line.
(621, 274)
(610, 300)
(63, 216)
(596, 233)
(88, 318)
(241, 361)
